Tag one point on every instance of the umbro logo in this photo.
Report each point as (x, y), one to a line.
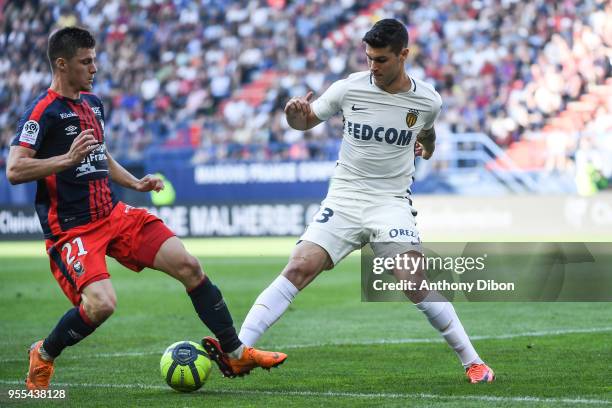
(71, 130)
(354, 108)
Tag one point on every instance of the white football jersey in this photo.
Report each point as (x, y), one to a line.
(380, 130)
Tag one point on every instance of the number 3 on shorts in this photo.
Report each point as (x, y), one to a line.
(68, 248)
(324, 215)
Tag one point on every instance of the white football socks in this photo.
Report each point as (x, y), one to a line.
(267, 309)
(443, 317)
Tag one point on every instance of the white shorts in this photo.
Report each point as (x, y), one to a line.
(343, 225)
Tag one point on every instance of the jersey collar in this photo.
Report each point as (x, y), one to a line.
(58, 96)
(413, 89)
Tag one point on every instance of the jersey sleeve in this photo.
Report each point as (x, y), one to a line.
(435, 112)
(330, 102)
(31, 129)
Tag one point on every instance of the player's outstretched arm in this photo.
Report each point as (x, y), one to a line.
(426, 143)
(299, 113)
(22, 167)
(124, 178)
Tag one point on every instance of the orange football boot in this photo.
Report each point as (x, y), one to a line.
(480, 373)
(250, 359)
(41, 370)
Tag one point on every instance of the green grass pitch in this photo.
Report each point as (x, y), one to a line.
(342, 352)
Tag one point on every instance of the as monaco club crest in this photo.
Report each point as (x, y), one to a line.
(412, 117)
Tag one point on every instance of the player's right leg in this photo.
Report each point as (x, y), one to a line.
(77, 263)
(307, 261)
(332, 235)
(98, 303)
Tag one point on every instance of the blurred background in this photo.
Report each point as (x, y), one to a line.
(195, 90)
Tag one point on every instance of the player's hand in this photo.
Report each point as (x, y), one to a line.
(81, 146)
(149, 183)
(419, 150)
(299, 106)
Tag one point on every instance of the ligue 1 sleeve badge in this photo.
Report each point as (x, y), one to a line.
(412, 117)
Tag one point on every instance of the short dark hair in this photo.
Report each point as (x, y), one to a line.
(65, 42)
(387, 32)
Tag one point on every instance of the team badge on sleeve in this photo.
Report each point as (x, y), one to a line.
(29, 133)
(412, 117)
(79, 269)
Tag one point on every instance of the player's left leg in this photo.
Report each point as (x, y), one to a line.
(442, 316)
(208, 302)
(142, 240)
(173, 259)
(386, 220)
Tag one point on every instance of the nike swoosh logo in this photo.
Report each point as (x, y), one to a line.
(357, 109)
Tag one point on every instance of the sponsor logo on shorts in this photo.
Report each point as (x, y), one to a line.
(29, 133)
(78, 267)
(402, 232)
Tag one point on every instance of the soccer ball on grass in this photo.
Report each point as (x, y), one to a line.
(185, 366)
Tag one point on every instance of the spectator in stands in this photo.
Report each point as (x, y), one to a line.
(503, 68)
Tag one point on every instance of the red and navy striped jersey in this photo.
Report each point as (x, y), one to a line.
(78, 195)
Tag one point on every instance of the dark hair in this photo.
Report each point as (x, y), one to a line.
(387, 32)
(64, 43)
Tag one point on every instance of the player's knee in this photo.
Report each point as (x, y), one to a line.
(189, 271)
(300, 273)
(100, 308)
(105, 309)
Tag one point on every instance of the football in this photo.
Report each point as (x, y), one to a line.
(185, 366)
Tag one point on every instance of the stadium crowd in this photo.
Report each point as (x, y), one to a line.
(169, 71)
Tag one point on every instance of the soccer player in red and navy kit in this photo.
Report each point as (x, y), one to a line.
(60, 144)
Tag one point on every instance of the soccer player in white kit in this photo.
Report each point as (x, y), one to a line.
(388, 119)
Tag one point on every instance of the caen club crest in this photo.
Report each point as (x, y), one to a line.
(412, 117)
(78, 267)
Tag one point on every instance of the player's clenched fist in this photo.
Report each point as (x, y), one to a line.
(82, 145)
(299, 106)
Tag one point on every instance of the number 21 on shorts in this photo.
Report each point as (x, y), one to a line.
(324, 215)
(68, 247)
